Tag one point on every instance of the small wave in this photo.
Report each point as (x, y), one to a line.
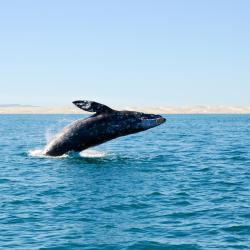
(160, 246)
(91, 153)
(238, 229)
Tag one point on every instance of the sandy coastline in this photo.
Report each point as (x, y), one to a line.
(155, 110)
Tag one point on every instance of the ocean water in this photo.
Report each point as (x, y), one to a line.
(182, 185)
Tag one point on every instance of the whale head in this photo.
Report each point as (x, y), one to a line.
(133, 122)
(121, 122)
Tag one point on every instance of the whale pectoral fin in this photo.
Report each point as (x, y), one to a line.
(91, 106)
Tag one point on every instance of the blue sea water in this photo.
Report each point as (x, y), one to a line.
(183, 185)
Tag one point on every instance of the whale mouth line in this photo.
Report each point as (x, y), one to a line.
(158, 120)
(149, 122)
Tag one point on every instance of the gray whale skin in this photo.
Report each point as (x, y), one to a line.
(106, 124)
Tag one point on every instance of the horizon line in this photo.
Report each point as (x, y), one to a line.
(185, 109)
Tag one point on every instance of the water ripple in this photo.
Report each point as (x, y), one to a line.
(184, 185)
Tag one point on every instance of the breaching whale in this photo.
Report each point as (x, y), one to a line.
(106, 124)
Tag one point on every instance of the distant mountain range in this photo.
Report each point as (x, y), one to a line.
(29, 109)
(15, 105)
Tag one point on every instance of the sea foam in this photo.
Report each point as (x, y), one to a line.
(89, 153)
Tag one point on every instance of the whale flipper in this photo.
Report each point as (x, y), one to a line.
(91, 106)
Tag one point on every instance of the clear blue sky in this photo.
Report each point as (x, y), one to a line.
(130, 52)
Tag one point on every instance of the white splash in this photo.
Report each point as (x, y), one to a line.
(91, 153)
(36, 152)
(55, 130)
(40, 154)
(49, 135)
